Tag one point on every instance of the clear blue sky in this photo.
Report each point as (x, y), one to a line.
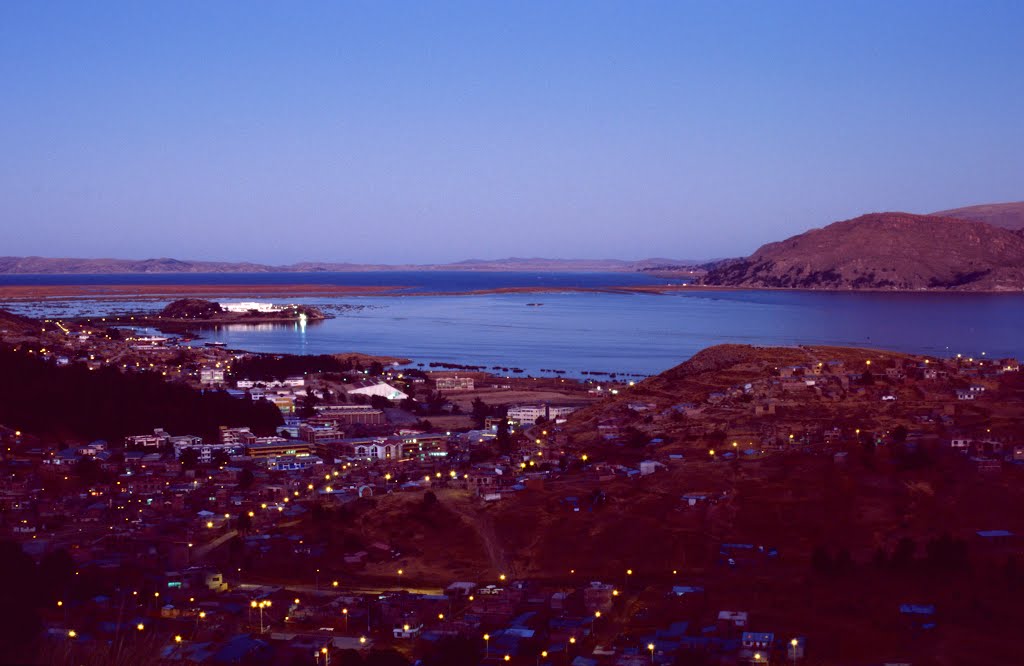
(436, 131)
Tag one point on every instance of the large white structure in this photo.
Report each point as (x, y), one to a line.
(293, 382)
(249, 306)
(205, 451)
(528, 414)
(211, 375)
(380, 449)
(379, 388)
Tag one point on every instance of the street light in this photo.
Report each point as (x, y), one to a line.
(260, 605)
(650, 648)
(487, 646)
(344, 612)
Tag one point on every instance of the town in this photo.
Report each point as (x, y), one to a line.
(375, 511)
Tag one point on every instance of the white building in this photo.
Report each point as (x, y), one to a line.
(379, 388)
(528, 414)
(288, 382)
(380, 449)
(205, 451)
(154, 441)
(250, 306)
(211, 375)
(650, 467)
(455, 383)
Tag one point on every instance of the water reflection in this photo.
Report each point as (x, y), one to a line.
(264, 327)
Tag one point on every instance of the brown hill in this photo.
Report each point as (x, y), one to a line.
(587, 523)
(894, 251)
(193, 308)
(13, 323)
(1006, 215)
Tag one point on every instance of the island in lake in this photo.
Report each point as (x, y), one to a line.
(193, 311)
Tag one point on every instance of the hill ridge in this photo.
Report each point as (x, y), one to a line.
(884, 251)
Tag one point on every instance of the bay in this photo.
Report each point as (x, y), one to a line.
(597, 332)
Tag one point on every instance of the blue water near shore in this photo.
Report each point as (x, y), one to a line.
(411, 281)
(609, 332)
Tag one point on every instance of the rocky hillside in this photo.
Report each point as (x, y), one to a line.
(1006, 215)
(13, 323)
(193, 308)
(894, 251)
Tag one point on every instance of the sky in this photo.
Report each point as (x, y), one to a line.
(418, 132)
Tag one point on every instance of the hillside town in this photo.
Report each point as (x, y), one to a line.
(235, 546)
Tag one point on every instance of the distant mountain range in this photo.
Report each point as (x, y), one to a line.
(48, 265)
(976, 248)
(892, 251)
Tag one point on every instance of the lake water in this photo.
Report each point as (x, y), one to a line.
(624, 333)
(412, 281)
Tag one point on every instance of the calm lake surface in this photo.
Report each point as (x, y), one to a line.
(574, 331)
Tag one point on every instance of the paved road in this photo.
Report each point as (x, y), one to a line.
(341, 589)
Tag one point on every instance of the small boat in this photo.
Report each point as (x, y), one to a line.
(217, 344)
(535, 305)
